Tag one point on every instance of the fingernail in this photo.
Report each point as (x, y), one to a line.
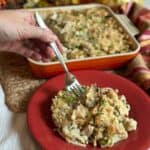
(36, 56)
(45, 59)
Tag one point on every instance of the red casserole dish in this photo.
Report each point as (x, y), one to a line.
(45, 70)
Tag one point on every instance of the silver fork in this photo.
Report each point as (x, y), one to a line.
(71, 83)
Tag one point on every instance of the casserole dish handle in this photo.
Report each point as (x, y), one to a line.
(126, 22)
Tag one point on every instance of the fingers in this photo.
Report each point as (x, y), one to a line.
(20, 48)
(41, 48)
(44, 35)
(44, 56)
(49, 52)
(29, 53)
(34, 32)
(44, 48)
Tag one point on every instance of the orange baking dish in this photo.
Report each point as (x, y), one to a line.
(45, 70)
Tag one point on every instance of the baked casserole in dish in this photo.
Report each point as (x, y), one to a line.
(92, 35)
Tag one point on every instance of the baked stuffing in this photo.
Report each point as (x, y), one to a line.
(100, 117)
(89, 33)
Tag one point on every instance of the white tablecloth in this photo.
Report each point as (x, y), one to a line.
(14, 134)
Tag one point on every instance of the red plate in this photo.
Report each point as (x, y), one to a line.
(41, 126)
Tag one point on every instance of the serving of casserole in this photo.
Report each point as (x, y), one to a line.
(100, 117)
(93, 36)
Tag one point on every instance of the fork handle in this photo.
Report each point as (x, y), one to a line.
(59, 56)
(53, 45)
(40, 21)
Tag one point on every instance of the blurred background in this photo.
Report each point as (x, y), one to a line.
(46, 3)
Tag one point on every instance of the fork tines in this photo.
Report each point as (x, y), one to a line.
(76, 88)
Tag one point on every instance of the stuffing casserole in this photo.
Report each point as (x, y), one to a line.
(89, 33)
(100, 117)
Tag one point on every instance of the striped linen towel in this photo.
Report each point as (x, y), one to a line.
(139, 68)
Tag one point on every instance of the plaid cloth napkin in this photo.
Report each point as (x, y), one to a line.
(139, 68)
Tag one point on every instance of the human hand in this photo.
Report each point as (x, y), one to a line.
(19, 34)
